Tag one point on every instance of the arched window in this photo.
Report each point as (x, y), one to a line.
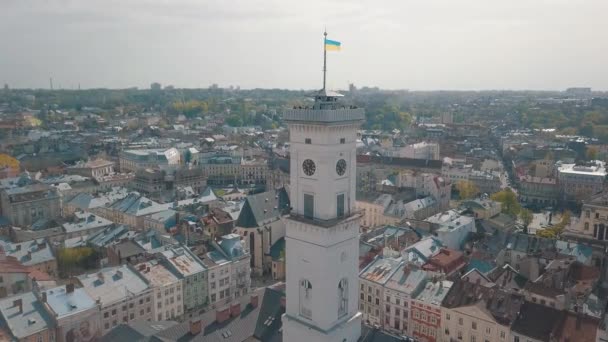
(342, 297)
(305, 298)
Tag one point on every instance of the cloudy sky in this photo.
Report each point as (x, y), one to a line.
(397, 44)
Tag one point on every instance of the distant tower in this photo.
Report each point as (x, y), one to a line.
(322, 231)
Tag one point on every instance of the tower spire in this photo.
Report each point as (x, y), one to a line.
(324, 57)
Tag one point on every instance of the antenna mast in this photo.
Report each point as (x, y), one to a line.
(324, 58)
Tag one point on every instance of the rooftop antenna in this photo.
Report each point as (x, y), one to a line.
(51, 82)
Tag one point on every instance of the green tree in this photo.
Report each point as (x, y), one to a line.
(526, 217)
(467, 189)
(591, 153)
(508, 201)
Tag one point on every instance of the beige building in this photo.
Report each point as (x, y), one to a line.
(25, 205)
(372, 281)
(132, 160)
(167, 291)
(593, 222)
(373, 213)
(93, 168)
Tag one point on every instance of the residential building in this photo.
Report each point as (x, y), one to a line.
(579, 182)
(539, 191)
(25, 319)
(161, 221)
(476, 310)
(14, 277)
(25, 205)
(372, 281)
(122, 294)
(452, 228)
(34, 254)
(399, 290)
(421, 150)
(167, 290)
(84, 223)
(483, 208)
(192, 272)
(75, 313)
(132, 160)
(131, 210)
(425, 311)
(447, 262)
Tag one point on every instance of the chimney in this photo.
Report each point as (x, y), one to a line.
(17, 247)
(222, 315)
(43, 297)
(29, 255)
(235, 309)
(196, 326)
(18, 303)
(254, 300)
(69, 288)
(119, 274)
(42, 245)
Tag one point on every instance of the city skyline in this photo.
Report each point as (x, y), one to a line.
(472, 45)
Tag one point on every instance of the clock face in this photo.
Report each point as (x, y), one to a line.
(341, 167)
(309, 167)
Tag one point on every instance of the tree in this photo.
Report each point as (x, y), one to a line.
(467, 189)
(508, 201)
(526, 217)
(556, 230)
(591, 153)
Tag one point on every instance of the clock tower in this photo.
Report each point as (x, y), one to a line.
(322, 232)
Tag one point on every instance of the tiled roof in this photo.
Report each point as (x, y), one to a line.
(528, 324)
(263, 208)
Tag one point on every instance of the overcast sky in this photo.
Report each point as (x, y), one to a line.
(397, 44)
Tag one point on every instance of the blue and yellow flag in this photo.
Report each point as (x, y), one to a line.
(332, 45)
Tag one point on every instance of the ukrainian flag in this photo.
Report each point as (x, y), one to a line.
(332, 45)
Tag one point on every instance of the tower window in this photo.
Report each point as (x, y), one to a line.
(308, 141)
(342, 140)
(305, 298)
(340, 205)
(343, 297)
(309, 206)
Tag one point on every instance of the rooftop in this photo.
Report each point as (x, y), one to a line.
(85, 221)
(381, 270)
(30, 319)
(183, 261)
(156, 273)
(64, 304)
(113, 284)
(434, 293)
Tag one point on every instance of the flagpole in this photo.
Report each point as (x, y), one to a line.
(324, 58)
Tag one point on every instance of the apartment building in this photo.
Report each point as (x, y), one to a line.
(426, 311)
(167, 290)
(192, 272)
(372, 281)
(132, 160)
(122, 294)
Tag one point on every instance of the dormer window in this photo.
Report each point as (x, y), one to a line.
(308, 141)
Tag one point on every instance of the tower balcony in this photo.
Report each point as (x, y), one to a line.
(324, 116)
(353, 215)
